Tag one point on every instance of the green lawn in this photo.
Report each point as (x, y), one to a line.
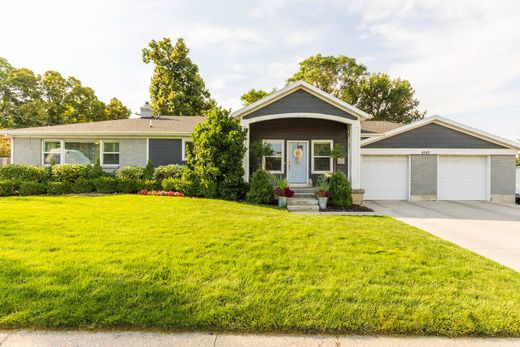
(148, 262)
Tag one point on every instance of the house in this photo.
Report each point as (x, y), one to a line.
(432, 159)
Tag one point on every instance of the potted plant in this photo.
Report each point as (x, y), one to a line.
(283, 192)
(322, 193)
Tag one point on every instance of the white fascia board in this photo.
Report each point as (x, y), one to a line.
(47, 134)
(449, 124)
(437, 151)
(307, 87)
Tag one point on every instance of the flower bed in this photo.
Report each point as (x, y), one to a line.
(351, 208)
(160, 193)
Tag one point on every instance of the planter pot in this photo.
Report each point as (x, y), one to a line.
(322, 202)
(282, 201)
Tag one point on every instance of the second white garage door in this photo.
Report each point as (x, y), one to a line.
(462, 178)
(385, 177)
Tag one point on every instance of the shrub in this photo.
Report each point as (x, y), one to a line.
(105, 185)
(180, 185)
(340, 190)
(58, 188)
(70, 172)
(128, 185)
(96, 171)
(83, 185)
(168, 171)
(135, 172)
(148, 170)
(8, 187)
(261, 188)
(31, 188)
(150, 185)
(22, 173)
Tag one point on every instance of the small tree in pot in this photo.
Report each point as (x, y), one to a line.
(322, 193)
(283, 192)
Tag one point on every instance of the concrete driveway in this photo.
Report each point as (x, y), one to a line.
(491, 230)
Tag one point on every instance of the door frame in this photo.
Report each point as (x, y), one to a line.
(307, 166)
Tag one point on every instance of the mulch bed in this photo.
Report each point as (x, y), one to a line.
(353, 208)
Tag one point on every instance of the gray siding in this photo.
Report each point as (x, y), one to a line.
(424, 175)
(165, 151)
(27, 151)
(503, 174)
(433, 136)
(302, 129)
(132, 152)
(300, 102)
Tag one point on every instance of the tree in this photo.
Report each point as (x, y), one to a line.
(253, 95)
(216, 157)
(27, 99)
(116, 110)
(176, 86)
(343, 77)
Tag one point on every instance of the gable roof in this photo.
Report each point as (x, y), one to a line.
(378, 127)
(164, 125)
(449, 124)
(301, 85)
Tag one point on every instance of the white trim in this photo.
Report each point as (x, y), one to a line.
(63, 151)
(488, 178)
(299, 115)
(308, 88)
(449, 124)
(246, 154)
(331, 160)
(438, 151)
(409, 177)
(147, 150)
(102, 153)
(282, 171)
(183, 151)
(298, 184)
(12, 150)
(355, 152)
(98, 134)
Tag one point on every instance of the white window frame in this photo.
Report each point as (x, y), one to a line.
(282, 142)
(62, 150)
(183, 158)
(331, 143)
(102, 153)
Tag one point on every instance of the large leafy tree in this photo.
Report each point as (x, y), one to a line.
(216, 158)
(252, 96)
(176, 86)
(375, 93)
(27, 99)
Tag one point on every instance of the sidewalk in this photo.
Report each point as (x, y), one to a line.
(18, 338)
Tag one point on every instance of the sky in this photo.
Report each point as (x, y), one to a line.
(462, 57)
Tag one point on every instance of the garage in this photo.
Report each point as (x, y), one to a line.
(462, 178)
(385, 177)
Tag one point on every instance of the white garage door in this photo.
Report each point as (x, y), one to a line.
(385, 177)
(462, 178)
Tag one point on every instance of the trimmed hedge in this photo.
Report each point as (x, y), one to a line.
(70, 172)
(83, 186)
(8, 187)
(19, 172)
(168, 171)
(135, 172)
(106, 185)
(128, 185)
(58, 188)
(32, 188)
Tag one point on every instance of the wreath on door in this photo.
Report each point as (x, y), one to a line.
(298, 154)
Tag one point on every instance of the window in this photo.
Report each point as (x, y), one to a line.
(81, 152)
(51, 152)
(321, 158)
(110, 153)
(274, 163)
(186, 144)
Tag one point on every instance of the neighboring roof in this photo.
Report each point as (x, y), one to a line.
(448, 123)
(308, 88)
(378, 126)
(136, 126)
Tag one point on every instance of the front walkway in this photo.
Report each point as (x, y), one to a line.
(131, 339)
(489, 229)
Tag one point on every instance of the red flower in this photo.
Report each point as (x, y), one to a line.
(286, 192)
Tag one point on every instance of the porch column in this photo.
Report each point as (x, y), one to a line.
(245, 162)
(355, 155)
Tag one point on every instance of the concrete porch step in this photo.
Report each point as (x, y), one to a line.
(302, 201)
(304, 195)
(303, 208)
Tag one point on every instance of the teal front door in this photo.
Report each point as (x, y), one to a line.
(298, 162)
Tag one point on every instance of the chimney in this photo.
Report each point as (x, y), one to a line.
(146, 111)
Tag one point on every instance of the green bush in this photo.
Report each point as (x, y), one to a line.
(8, 187)
(128, 185)
(83, 186)
(106, 185)
(22, 173)
(70, 172)
(96, 171)
(168, 171)
(150, 185)
(58, 188)
(340, 190)
(32, 188)
(148, 170)
(135, 172)
(261, 188)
